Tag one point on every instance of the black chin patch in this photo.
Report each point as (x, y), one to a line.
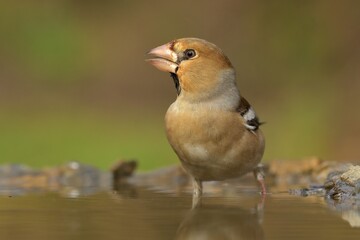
(176, 82)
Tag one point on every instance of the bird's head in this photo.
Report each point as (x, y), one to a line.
(201, 68)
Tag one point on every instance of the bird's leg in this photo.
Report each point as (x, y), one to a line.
(197, 184)
(260, 177)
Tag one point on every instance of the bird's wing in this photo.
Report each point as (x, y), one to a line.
(247, 112)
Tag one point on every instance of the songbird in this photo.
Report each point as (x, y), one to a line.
(213, 129)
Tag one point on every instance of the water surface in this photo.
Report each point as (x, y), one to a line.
(145, 214)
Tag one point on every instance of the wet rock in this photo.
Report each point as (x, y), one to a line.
(123, 169)
(67, 179)
(351, 176)
(14, 170)
(306, 172)
(81, 175)
(341, 185)
(311, 191)
(16, 174)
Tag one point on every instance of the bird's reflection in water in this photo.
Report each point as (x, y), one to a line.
(222, 222)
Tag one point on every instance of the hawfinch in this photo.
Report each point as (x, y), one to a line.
(213, 129)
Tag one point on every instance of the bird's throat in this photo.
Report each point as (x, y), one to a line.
(176, 82)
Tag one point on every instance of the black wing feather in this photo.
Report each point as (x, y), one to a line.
(244, 108)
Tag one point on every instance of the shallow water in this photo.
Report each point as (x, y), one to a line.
(145, 214)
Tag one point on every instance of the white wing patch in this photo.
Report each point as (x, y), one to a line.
(251, 121)
(250, 127)
(250, 114)
(247, 112)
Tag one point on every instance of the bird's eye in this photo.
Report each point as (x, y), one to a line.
(190, 53)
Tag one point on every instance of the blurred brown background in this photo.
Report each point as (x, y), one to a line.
(74, 84)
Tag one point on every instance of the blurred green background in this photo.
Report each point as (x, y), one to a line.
(74, 84)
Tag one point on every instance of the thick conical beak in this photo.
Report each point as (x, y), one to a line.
(165, 58)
